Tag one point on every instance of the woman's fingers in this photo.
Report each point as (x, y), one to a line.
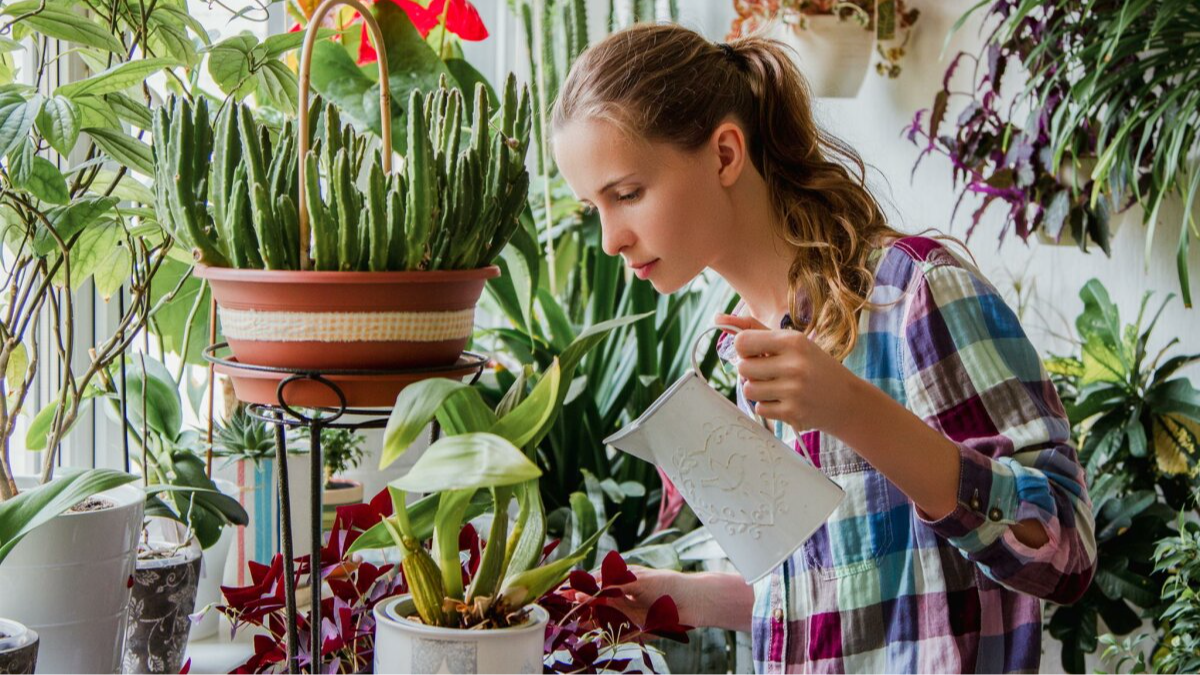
(743, 322)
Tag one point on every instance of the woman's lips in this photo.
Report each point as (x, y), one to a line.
(643, 271)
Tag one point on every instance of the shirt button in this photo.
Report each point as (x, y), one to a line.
(995, 514)
(778, 614)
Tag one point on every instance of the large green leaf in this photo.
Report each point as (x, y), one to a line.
(163, 406)
(525, 587)
(534, 414)
(415, 408)
(476, 460)
(277, 86)
(46, 182)
(59, 123)
(22, 514)
(99, 248)
(231, 64)
(64, 24)
(197, 500)
(129, 110)
(127, 150)
(464, 413)
(116, 78)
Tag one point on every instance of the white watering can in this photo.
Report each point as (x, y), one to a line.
(759, 498)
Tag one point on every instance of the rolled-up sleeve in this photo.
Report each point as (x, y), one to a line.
(972, 374)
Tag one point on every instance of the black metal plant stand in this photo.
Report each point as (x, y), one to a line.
(283, 416)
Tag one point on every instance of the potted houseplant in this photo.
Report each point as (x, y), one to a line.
(179, 490)
(834, 39)
(481, 453)
(1136, 422)
(404, 256)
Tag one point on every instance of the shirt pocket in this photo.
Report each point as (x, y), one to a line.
(859, 531)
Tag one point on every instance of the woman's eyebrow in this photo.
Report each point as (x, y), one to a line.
(611, 183)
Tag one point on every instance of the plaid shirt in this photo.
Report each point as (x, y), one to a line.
(878, 588)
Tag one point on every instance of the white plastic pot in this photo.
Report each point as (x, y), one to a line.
(834, 55)
(403, 646)
(69, 581)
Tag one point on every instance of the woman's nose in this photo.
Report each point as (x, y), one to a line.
(614, 237)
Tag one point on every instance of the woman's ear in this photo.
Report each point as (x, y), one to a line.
(729, 142)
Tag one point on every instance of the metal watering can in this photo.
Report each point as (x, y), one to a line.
(758, 497)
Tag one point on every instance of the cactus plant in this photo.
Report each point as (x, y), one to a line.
(454, 205)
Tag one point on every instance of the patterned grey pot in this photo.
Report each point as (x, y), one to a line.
(164, 594)
(18, 648)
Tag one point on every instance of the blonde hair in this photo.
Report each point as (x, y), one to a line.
(669, 84)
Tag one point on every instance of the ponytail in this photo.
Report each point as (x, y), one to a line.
(824, 211)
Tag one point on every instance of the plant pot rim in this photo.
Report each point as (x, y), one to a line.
(126, 496)
(331, 277)
(385, 613)
(185, 555)
(18, 635)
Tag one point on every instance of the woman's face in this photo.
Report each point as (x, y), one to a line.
(662, 209)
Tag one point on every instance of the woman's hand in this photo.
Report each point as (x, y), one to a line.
(790, 378)
(719, 599)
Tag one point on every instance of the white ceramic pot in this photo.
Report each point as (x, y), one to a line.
(833, 55)
(69, 581)
(403, 646)
(212, 571)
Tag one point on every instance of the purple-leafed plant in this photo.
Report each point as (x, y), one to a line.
(1106, 117)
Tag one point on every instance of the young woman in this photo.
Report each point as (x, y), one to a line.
(913, 385)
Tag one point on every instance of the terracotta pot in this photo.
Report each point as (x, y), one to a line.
(18, 648)
(164, 595)
(347, 320)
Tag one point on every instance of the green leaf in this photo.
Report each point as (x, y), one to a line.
(174, 41)
(523, 588)
(1101, 363)
(16, 119)
(476, 460)
(277, 86)
(164, 409)
(657, 556)
(415, 408)
(64, 24)
(127, 150)
(116, 78)
(96, 112)
(97, 248)
(277, 45)
(32, 508)
(46, 182)
(20, 163)
(231, 65)
(68, 220)
(534, 414)
(18, 366)
(198, 501)
(129, 110)
(59, 123)
(583, 524)
(38, 435)
(464, 413)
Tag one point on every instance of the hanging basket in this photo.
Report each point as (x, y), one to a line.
(833, 54)
(325, 320)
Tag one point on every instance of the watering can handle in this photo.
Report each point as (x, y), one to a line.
(696, 369)
(695, 345)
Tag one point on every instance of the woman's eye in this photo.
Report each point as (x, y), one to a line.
(629, 196)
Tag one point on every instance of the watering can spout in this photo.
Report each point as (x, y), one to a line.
(633, 440)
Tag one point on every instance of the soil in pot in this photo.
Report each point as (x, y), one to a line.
(18, 648)
(164, 595)
(92, 504)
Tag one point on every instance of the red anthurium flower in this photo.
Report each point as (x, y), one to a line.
(422, 19)
(462, 19)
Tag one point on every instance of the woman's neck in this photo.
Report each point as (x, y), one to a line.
(755, 260)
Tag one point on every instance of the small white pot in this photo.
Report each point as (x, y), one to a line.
(403, 646)
(69, 581)
(832, 54)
